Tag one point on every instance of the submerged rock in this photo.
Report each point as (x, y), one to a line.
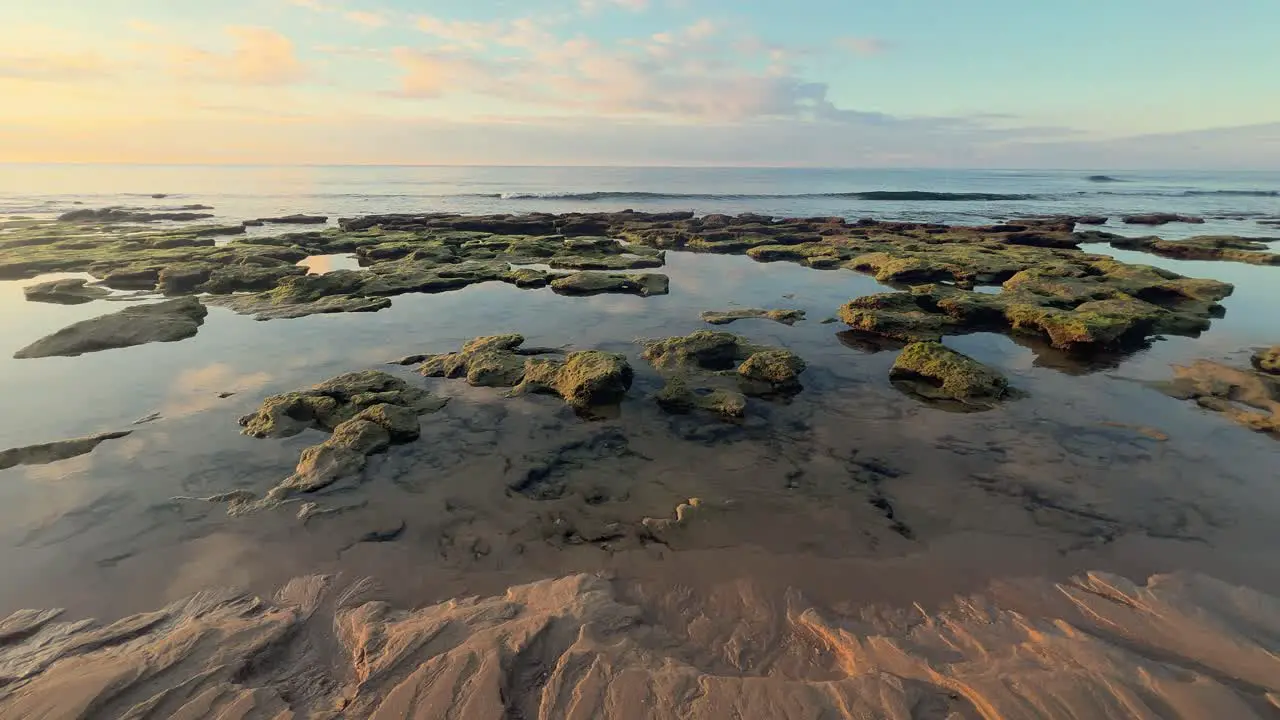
(777, 370)
(1161, 219)
(159, 322)
(290, 220)
(117, 215)
(46, 453)
(71, 291)
(594, 283)
(678, 397)
(329, 404)
(1244, 396)
(724, 317)
(934, 371)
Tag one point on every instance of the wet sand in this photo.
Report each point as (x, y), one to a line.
(852, 495)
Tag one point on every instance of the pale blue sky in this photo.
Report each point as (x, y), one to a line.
(1098, 83)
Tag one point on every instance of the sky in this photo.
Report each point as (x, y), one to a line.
(1187, 84)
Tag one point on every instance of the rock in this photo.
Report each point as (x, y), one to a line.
(319, 467)
(400, 422)
(594, 283)
(1267, 360)
(1091, 220)
(72, 291)
(786, 317)
(584, 380)
(701, 350)
(491, 361)
(329, 404)
(1161, 219)
(1103, 179)
(289, 220)
(53, 452)
(114, 215)
(934, 371)
(362, 436)
(265, 308)
(159, 322)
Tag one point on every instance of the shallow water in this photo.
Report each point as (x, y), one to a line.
(851, 492)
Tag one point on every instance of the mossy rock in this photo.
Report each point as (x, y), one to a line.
(1267, 360)
(701, 350)
(934, 371)
(586, 379)
(777, 370)
(329, 404)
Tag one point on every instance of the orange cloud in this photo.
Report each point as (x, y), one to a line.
(261, 56)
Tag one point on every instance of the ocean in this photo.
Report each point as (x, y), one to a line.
(1232, 201)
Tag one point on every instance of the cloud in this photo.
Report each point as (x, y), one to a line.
(591, 6)
(366, 18)
(261, 56)
(865, 46)
(696, 72)
(53, 67)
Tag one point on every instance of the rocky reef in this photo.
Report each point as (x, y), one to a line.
(168, 321)
(1091, 303)
(717, 371)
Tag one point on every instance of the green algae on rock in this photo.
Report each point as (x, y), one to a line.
(1091, 304)
(46, 453)
(366, 412)
(715, 371)
(936, 372)
(724, 317)
(329, 404)
(584, 380)
(69, 291)
(167, 321)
